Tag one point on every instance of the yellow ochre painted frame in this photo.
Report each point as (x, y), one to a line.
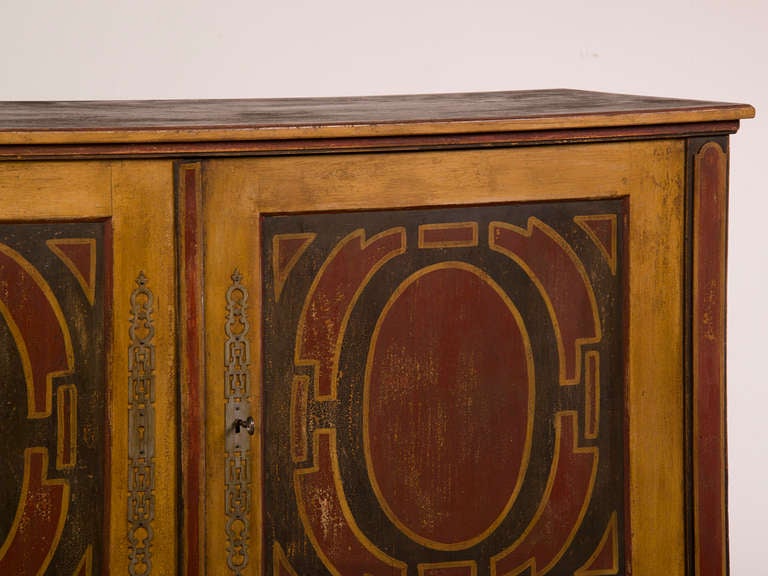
(135, 198)
(649, 175)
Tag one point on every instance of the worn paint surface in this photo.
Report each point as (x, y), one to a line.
(52, 398)
(443, 390)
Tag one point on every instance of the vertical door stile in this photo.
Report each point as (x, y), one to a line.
(144, 449)
(231, 390)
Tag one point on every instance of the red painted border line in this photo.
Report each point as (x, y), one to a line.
(709, 482)
(191, 368)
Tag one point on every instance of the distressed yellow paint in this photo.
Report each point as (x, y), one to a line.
(648, 174)
(143, 241)
(55, 190)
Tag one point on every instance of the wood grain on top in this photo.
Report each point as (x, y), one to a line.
(188, 120)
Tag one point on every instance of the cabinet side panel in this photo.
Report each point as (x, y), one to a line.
(708, 480)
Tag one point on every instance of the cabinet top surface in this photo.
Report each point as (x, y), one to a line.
(280, 119)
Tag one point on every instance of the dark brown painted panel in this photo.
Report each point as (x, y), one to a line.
(453, 418)
(52, 398)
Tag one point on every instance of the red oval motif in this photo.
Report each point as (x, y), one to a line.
(448, 406)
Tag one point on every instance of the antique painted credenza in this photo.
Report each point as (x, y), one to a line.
(436, 335)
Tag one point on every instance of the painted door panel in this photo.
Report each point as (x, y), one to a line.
(444, 387)
(87, 363)
(436, 351)
(53, 396)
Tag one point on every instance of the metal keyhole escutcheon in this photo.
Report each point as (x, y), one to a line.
(249, 424)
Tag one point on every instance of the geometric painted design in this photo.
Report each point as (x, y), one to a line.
(38, 326)
(448, 235)
(79, 255)
(286, 251)
(605, 559)
(85, 568)
(414, 418)
(39, 520)
(449, 569)
(592, 394)
(66, 434)
(559, 274)
(324, 510)
(601, 228)
(334, 291)
(52, 400)
(299, 418)
(566, 498)
(282, 567)
(407, 475)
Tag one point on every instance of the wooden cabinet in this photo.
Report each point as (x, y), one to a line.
(445, 335)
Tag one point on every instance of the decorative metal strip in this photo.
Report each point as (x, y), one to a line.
(141, 430)
(237, 359)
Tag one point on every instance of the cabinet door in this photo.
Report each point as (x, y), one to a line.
(87, 359)
(455, 363)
